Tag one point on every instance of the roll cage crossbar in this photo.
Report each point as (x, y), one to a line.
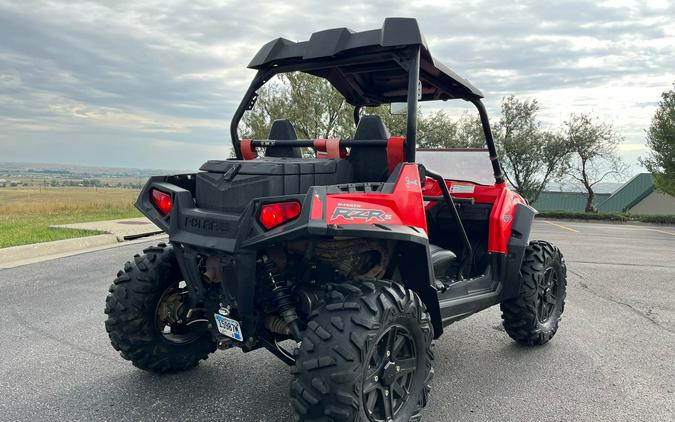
(369, 74)
(311, 143)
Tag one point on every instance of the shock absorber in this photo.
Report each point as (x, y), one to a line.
(284, 301)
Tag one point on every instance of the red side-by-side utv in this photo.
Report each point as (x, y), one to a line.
(345, 265)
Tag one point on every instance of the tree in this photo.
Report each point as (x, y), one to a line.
(661, 142)
(436, 130)
(594, 153)
(395, 123)
(317, 110)
(530, 155)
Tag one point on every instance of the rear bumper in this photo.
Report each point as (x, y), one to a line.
(188, 224)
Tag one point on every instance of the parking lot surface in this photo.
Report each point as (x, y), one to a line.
(613, 358)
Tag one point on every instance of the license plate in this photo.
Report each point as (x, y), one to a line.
(228, 327)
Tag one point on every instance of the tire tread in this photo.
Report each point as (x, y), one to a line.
(519, 314)
(130, 308)
(327, 379)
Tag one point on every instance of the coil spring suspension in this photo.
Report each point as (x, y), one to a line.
(283, 298)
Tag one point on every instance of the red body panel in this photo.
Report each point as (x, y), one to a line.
(503, 202)
(403, 206)
(461, 189)
(501, 219)
(406, 206)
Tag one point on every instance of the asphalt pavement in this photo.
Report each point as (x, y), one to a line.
(613, 358)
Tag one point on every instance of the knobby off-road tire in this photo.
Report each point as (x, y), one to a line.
(342, 366)
(532, 318)
(132, 309)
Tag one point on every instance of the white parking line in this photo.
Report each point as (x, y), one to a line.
(561, 226)
(661, 231)
(607, 226)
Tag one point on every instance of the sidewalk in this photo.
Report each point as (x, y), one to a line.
(125, 229)
(120, 232)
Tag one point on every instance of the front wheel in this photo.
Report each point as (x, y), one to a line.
(533, 316)
(365, 356)
(148, 319)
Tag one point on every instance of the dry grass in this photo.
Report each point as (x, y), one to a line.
(27, 213)
(17, 201)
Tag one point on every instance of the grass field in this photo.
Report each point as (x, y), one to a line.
(26, 213)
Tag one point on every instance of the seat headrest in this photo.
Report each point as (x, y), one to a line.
(371, 127)
(282, 130)
(369, 163)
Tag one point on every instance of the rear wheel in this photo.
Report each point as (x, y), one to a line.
(365, 356)
(532, 318)
(148, 315)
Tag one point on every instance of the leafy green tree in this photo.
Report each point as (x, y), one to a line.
(314, 107)
(317, 110)
(395, 123)
(594, 153)
(438, 130)
(661, 142)
(530, 156)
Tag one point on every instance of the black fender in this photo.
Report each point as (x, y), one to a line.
(417, 274)
(520, 238)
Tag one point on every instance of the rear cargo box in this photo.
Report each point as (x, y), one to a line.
(230, 185)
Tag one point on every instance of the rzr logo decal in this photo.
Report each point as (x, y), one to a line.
(360, 214)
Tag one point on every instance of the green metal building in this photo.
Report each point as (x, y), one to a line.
(566, 201)
(637, 196)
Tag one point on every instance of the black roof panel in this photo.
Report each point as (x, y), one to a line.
(366, 66)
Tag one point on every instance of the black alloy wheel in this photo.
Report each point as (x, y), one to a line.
(389, 375)
(532, 317)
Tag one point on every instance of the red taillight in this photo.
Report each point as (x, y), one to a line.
(161, 200)
(272, 215)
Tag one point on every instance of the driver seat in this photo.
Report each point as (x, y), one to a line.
(369, 163)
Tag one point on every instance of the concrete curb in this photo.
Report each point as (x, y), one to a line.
(124, 229)
(29, 254)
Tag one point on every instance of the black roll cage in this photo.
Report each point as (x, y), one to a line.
(408, 58)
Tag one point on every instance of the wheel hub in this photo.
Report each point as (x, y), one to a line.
(171, 316)
(547, 296)
(390, 374)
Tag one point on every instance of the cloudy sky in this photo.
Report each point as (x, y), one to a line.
(153, 84)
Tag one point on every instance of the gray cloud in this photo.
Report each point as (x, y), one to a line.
(95, 83)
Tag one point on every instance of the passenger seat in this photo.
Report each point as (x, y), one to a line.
(282, 130)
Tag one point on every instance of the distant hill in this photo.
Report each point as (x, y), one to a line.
(34, 170)
(14, 168)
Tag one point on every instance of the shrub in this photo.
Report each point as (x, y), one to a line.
(621, 217)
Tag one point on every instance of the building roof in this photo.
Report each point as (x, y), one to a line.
(628, 195)
(368, 67)
(621, 200)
